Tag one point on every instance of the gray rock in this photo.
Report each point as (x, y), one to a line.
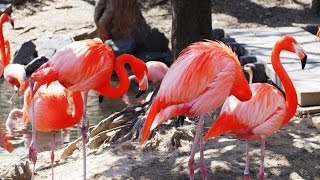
(50, 45)
(155, 41)
(237, 48)
(218, 34)
(228, 40)
(121, 46)
(312, 28)
(35, 64)
(247, 59)
(25, 53)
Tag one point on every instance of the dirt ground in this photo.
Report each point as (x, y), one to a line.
(291, 153)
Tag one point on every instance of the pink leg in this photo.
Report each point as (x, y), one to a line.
(52, 153)
(246, 170)
(203, 166)
(84, 134)
(33, 147)
(194, 147)
(261, 173)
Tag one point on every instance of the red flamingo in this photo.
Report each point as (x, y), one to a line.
(266, 112)
(198, 82)
(51, 111)
(4, 44)
(88, 64)
(15, 75)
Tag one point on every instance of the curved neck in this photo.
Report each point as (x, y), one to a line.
(291, 95)
(111, 91)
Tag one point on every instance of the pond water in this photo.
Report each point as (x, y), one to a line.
(95, 113)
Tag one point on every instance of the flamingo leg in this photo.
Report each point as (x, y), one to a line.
(52, 152)
(33, 147)
(194, 148)
(246, 170)
(84, 134)
(261, 173)
(203, 166)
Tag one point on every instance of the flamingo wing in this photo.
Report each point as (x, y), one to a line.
(82, 64)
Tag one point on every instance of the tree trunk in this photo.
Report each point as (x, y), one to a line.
(117, 19)
(191, 22)
(315, 6)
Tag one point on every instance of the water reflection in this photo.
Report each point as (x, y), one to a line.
(95, 113)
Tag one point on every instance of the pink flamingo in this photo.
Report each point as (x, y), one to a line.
(15, 75)
(267, 111)
(4, 44)
(198, 82)
(88, 64)
(51, 111)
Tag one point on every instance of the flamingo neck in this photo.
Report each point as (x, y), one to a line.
(122, 88)
(77, 110)
(3, 56)
(291, 95)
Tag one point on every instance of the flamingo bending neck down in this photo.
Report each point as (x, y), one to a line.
(51, 111)
(4, 44)
(198, 82)
(267, 111)
(15, 75)
(88, 64)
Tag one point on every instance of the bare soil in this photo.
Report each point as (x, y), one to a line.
(291, 153)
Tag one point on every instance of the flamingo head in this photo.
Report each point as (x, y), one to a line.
(288, 43)
(140, 70)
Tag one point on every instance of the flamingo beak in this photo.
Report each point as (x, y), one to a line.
(12, 24)
(302, 55)
(143, 85)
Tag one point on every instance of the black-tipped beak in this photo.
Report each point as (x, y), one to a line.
(304, 61)
(12, 24)
(101, 98)
(141, 92)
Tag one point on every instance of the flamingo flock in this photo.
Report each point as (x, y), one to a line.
(205, 76)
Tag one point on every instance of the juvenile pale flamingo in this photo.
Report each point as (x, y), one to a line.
(51, 111)
(88, 64)
(4, 142)
(4, 44)
(15, 75)
(267, 111)
(198, 82)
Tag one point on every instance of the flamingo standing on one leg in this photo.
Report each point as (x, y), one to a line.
(4, 44)
(88, 64)
(198, 82)
(51, 110)
(267, 111)
(15, 75)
